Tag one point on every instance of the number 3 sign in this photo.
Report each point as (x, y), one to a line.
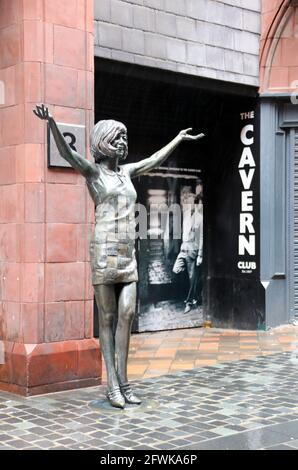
(75, 137)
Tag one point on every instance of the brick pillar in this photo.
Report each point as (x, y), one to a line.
(46, 298)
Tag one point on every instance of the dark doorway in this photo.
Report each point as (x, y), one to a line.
(155, 105)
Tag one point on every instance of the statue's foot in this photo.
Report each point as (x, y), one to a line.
(116, 398)
(129, 395)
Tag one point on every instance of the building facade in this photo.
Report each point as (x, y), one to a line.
(205, 38)
(211, 47)
(228, 67)
(279, 118)
(46, 55)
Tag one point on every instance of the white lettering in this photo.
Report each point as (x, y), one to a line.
(244, 139)
(247, 265)
(246, 223)
(246, 201)
(247, 245)
(247, 178)
(112, 460)
(246, 158)
(247, 239)
(249, 115)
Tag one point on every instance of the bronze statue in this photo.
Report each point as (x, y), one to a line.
(113, 263)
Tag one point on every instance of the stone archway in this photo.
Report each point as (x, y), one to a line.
(278, 57)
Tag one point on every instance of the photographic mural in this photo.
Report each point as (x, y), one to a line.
(171, 253)
(211, 271)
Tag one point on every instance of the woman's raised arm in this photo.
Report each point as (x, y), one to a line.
(78, 162)
(157, 159)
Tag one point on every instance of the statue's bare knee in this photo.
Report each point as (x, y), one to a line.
(126, 316)
(106, 319)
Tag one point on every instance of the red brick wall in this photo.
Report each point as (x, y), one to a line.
(46, 55)
(279, 45)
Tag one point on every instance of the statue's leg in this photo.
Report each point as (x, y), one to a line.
(107, 311)
(126, 312)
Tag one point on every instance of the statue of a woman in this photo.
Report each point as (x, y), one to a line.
(112, 252)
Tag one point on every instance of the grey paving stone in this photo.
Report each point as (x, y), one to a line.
(248, 440)
(45, 444)
(19, 444)
(5, 438)
(280, 447)
(246, 405)
(180, 443)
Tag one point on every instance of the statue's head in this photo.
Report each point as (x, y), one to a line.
(108, 139)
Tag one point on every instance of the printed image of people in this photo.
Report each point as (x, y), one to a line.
(190, 257)
(170, 257)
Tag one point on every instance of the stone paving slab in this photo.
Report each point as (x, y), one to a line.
(248, 404)
(166, 352)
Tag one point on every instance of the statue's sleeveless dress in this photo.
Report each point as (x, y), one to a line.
(112, 247)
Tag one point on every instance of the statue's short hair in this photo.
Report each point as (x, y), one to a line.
(103, 133)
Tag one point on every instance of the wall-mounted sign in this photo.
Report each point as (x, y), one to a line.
(75, 137)
(247, 167)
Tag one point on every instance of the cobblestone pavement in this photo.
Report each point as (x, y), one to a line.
(248, 404)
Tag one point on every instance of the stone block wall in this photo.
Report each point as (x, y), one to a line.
(208, 38)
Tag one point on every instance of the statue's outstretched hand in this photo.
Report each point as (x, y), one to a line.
(185, 136)
(42, 112)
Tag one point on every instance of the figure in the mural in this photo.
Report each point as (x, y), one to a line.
(190, 256)
(112, 252)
